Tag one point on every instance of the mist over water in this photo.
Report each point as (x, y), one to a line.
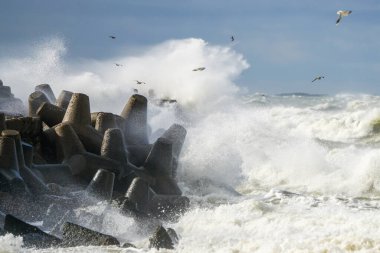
(308, 167)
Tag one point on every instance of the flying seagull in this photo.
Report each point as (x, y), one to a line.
(199, 69)
(232, 38)
(341, 15)
(112, 37)
(119, 65)
(139, 82)
(168, 100)
(318, 78)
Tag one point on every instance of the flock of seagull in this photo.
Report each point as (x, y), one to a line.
(141, 82)
(341, 14)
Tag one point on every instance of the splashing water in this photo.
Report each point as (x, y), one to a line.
(307, 167)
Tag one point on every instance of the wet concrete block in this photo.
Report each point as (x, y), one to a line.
(68, 140)
(135, 125)
(105, 121)
(101, 185)
(161, 239)
(35, 100)
(140, 194)
(113, 147)
(46, 89)
(63, 99)
(74, 154)
(28, 127)
(50, 114)
(78, 110)
(90, 137)
(75, 235)
(10, 178)
(60, 174)
(32, 235)
(159, 160)
(34, 183)
(138, 153)
(176, 134)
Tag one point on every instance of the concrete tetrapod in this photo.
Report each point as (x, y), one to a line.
(28, 127)
(79, 116)
(34, 183)
(10, 179)
(140, 194)
(32, 235)
(46, 89)
(50, 114)
(83, 163)
(135, 125)
(35, 100)
(104, 121)
(159, 164)
(176, 134)
(113, 147)
(161, 239)
(49, 173)
(63, 99)
(101, 185)
(75, 235)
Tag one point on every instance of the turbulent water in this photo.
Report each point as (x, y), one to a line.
(284, 173)
(264, 173)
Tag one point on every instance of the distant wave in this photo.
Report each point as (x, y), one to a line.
(300, 94)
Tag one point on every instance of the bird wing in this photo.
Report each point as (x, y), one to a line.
(315, 79)
(340, 17)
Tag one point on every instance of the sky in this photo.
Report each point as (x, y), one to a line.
(280, 45)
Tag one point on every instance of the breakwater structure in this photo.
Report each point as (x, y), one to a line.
(57, 158)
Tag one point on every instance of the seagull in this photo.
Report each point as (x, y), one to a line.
(139, 82)
(318, 78)
(119, 65)
(341, 15)
(232, 38)
(112, 37)
(199, 69)
(168, 100)
(135, 90)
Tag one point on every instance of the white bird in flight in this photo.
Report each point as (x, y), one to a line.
(342, 14)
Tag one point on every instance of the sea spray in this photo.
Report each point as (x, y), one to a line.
(166, 68)
(307, 166)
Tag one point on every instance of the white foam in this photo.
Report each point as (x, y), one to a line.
(10, 243)
(293, 226)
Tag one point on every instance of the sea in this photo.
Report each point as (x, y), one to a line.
(268, 173)
(292, 172)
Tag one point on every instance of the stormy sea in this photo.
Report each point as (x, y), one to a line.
(291, 172)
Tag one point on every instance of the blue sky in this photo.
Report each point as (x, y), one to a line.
(286, 42)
